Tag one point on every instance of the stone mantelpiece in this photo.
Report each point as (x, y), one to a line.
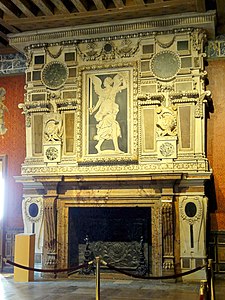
(119, 121)
(160, 192)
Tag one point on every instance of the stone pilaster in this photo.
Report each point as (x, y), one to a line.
(168, 236)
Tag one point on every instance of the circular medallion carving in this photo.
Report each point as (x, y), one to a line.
(52, 153)
(108, 47)
(54, 74)
(33, 210)
(190, 209)
(166, 149)
(165, 65)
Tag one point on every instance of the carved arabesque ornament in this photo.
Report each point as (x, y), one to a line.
(110, 49)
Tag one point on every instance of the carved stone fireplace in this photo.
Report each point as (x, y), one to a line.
(115, 131)
(113, 234)
(114, 222)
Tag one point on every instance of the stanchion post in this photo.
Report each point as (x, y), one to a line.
(203, 290)
(97, 278)
(211, 280)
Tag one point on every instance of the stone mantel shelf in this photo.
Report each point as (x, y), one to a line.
(51, 179)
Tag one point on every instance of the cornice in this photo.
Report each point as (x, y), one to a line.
(110, 29)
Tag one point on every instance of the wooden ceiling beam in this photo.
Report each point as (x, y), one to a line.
(4, 36)
(43, 7)
(23, 8)
(8, 27)
(60, 6)
(200, 4)
(119, 3)
(139, 2)
(152, 9)
(99, 4)
(79, 5)
(7, 10)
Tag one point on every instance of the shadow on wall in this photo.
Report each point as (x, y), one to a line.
(210, 192)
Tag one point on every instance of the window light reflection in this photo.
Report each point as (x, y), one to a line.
(1, 197)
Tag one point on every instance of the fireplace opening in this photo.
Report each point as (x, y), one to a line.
(114, 234)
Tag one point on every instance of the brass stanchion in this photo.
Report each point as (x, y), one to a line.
(211, 279)
(203, 290)
(97, 278)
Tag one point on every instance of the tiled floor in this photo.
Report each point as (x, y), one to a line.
(84, 289)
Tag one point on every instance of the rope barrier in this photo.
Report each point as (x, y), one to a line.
(45, 270)
(203, 293)
(153, 277)
(107, 265)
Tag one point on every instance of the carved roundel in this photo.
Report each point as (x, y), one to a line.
(52, 153)
(33, 208)
(54, 74)
(191, 209)
(167, 149)
(165, 64)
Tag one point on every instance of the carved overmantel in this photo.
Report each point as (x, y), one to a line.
(115, 117)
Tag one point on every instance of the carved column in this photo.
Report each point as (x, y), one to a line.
(50, 227)
(168, 236)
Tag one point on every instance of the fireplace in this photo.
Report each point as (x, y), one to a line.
(127, 169)
(113, 233)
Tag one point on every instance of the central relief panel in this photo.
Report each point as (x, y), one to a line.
(107, 110)
(118, 235)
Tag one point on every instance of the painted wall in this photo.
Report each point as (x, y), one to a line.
(13, 145)
(216, 142)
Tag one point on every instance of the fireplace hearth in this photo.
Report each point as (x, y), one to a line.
(113, 233)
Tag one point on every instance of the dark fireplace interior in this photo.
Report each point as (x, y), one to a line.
(114, 234)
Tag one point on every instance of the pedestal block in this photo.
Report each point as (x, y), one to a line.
(24, 255)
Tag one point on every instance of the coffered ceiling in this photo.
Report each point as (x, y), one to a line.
(24, 15)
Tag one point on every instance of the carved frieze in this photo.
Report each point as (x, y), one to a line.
(108, 50)
(155, 166)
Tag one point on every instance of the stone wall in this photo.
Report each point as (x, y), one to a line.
(13, 145)
(216, 142)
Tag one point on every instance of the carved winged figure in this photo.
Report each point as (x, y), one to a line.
(107, 109)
